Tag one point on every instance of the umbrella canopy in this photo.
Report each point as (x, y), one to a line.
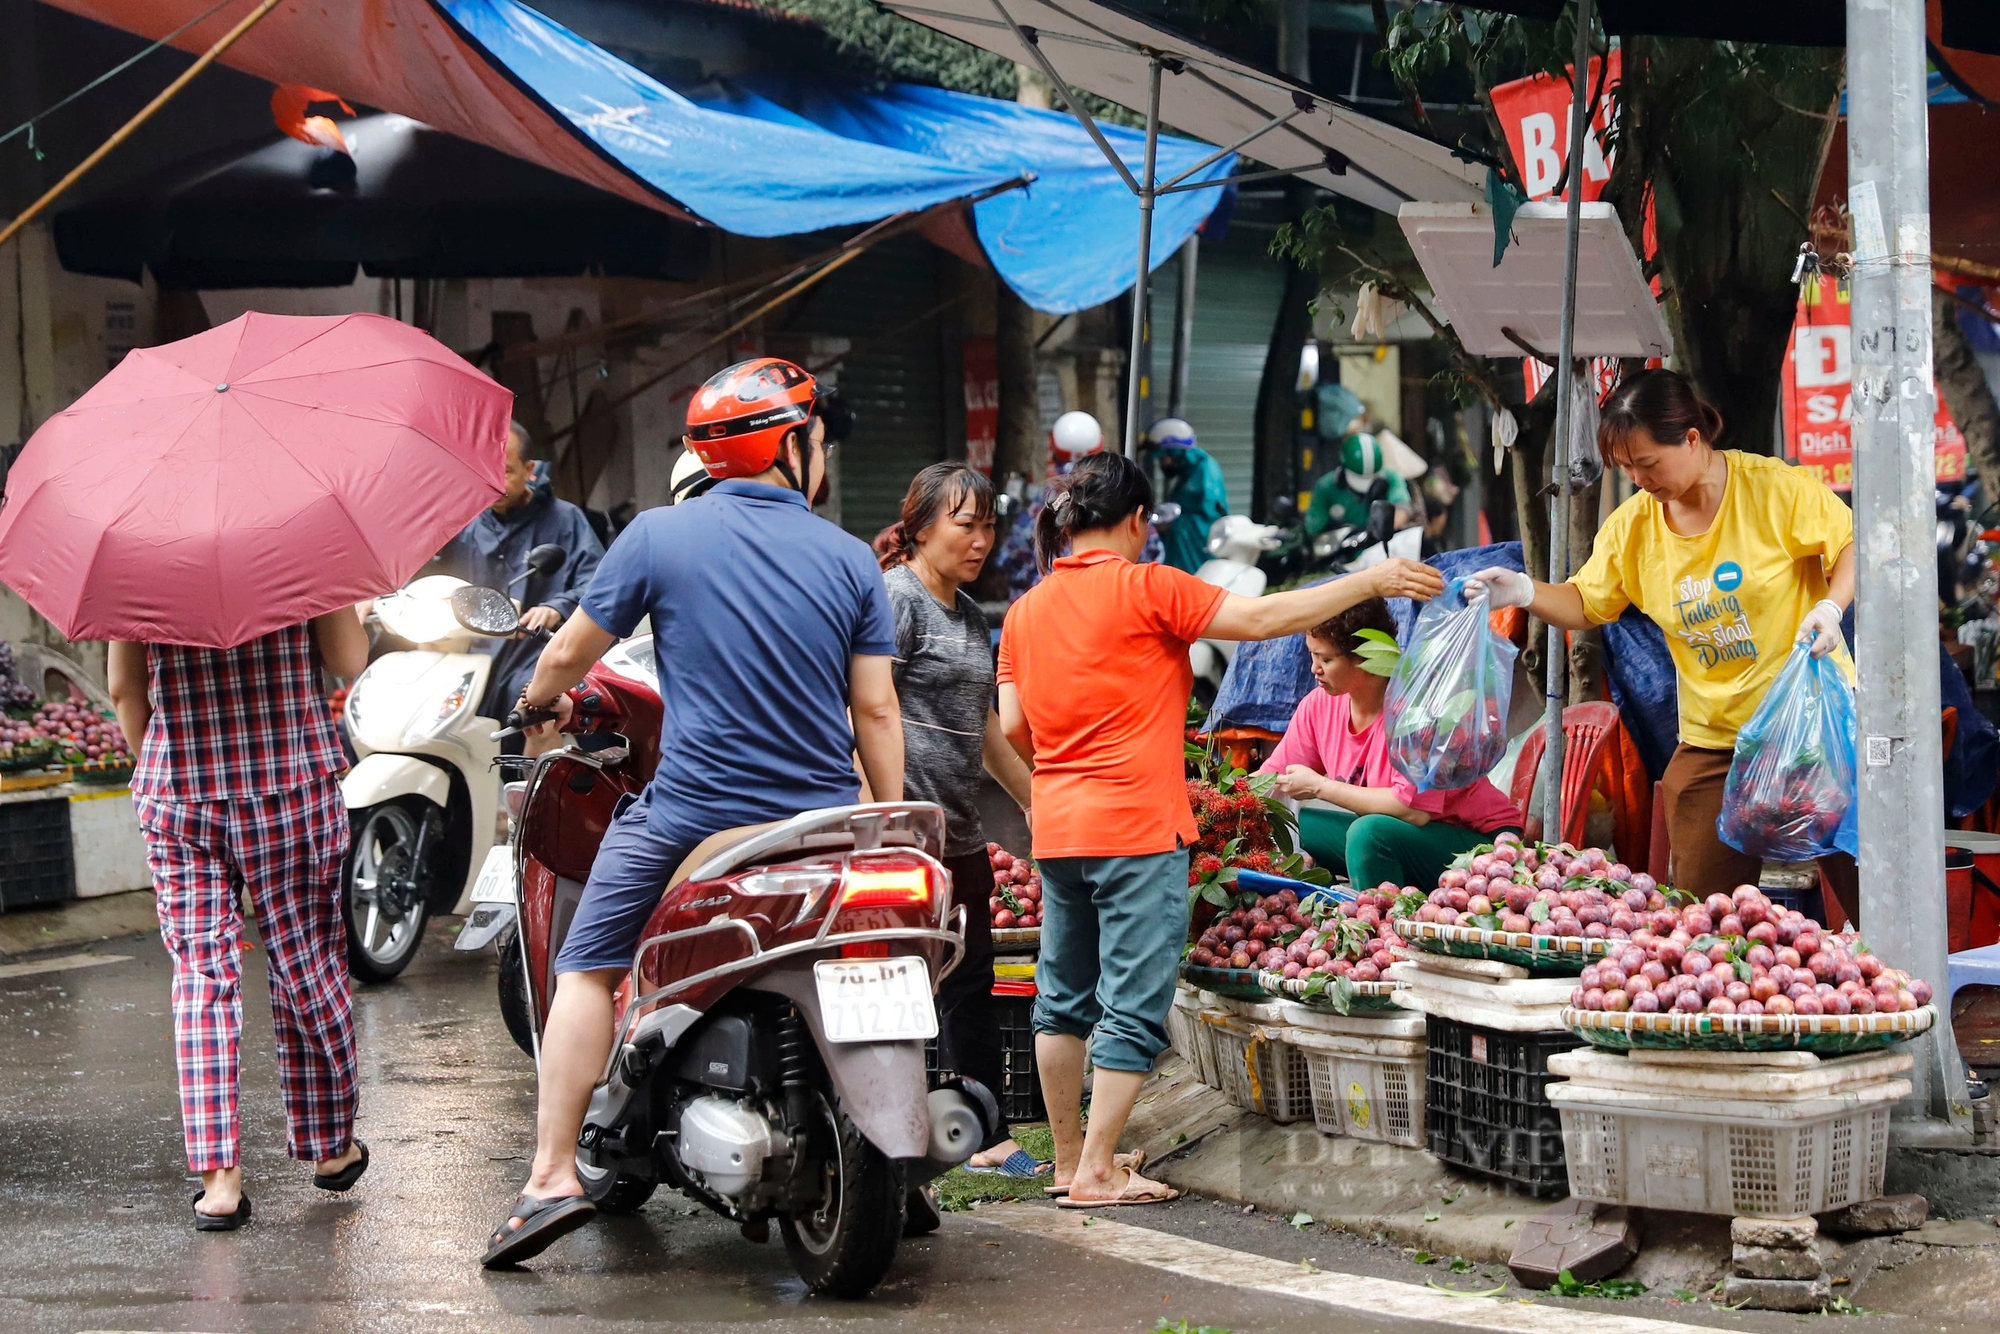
(267, 471)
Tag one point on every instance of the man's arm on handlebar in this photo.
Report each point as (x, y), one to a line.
(569, 655)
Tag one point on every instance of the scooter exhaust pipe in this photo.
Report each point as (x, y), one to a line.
(964, 1116)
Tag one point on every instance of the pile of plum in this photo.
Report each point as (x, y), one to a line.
(1543, 890)
(1017, 890)
(1742, 954)
(1278, 934)
(65, 732)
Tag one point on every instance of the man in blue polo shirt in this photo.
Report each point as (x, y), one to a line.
(770, 627)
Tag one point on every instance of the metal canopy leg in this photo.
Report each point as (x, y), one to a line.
(1140, 288)
(1901, 797)
(1558, 655)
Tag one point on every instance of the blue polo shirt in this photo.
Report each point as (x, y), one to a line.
(757, 604)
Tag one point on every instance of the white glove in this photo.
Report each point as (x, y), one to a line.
(1822, 626)
(1504, 587)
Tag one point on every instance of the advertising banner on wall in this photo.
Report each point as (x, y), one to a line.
(1815, 401)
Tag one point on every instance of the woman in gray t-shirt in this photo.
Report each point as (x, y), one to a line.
(944, 679)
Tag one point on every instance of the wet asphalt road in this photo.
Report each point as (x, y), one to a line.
(94, 1212)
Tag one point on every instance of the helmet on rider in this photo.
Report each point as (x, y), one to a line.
(1361, 458)
(690, 478)
(1074, 435)
(1170, 433)
(740, 417)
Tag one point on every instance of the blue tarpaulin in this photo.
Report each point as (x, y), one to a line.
(1070, 240)
(750, 165)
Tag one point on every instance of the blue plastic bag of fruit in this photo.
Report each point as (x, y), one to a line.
(1446, 709)
(1791, 783)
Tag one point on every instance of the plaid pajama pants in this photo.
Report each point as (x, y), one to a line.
(286, 850)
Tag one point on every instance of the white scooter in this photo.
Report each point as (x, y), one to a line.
(423, 798)
(1235, 543)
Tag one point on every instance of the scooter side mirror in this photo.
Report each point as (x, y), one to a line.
(1381, 521)
(486, 611)
(546, 559)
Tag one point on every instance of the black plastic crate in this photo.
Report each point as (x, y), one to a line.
(1021, 1092)
(1810, 901)
(37, 864)
(1486, 1103)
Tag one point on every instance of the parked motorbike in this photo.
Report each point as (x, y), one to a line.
(422, 796)
(1235, 544)
(769, 1060)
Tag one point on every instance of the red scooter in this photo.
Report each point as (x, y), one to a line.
(769, 1059)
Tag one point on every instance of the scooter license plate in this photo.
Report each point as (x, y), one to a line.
(876, 1000)
(496, 877)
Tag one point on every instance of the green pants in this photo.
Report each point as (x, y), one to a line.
(1372, 849)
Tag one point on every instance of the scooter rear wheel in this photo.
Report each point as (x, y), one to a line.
(843, 1248)
(513, 987)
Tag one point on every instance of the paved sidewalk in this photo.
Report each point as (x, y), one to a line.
(78, 922)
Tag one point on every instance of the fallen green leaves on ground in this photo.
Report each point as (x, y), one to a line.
(1167, 1326)
(1567, 1286)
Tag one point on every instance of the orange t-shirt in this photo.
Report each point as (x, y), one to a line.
(1098, 652)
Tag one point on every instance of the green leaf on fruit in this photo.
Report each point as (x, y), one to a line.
(1486, 921)
(1318, 875)
(1538, 911)
(1342, 995)
(1743, 973)
(1227, 875)
(1213, 892)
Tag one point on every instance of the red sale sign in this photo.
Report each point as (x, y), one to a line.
(1535, 114)
(981, 361)
(1815, 400)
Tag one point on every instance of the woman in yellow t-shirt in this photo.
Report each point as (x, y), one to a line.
(1735, 557)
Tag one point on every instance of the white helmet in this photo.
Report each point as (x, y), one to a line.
(1076, 434)
(689, 478)
(1361, 458)
(1171, 433)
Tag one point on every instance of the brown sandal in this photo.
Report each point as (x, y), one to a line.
(1136, 1190)
(1131, 1162)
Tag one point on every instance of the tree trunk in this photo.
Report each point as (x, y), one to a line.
(1962, 384)
(1277, 426)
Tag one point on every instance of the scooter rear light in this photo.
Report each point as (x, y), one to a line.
(897, 887)
(867, 949)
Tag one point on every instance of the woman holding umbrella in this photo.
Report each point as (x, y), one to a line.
(238, 784)
(215, 507)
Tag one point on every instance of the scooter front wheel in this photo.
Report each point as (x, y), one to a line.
(381, 890)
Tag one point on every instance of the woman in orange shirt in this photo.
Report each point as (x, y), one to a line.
(1094, 682)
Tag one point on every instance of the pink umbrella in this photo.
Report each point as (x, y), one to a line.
(213, 490)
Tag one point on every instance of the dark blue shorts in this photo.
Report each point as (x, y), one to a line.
(626, 882)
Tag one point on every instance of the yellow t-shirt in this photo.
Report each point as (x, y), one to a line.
(1730, 600)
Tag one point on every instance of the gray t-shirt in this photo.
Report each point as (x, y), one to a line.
(944, 680)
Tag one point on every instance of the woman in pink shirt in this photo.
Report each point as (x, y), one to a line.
(1336, 750)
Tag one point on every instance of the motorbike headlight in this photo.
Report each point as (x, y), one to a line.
(448, 708)
(350, 712)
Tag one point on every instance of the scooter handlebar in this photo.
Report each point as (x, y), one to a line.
(520, 720)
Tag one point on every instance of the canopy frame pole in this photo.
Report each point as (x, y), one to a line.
(1135, 374)
(1558, 656)
(1184, 327)
(1241, 178)
(1029, 40)
(1221, 153)
(1900, 799)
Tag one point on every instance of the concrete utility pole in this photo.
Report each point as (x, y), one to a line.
(1901, 815)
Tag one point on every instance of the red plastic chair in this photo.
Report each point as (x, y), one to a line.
(1588, 731)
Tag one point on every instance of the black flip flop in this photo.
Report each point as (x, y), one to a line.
(343, 1181)
(220, 1222)
(543, 1223)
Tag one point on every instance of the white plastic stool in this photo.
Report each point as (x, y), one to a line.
(1972, 968)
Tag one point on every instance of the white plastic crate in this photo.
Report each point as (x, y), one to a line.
(1402, 1024)
(1284, 1076)
(1735, 1157)
(1189, 1037)
(1370, 1089)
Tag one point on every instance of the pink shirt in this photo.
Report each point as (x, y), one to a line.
(1321, 737)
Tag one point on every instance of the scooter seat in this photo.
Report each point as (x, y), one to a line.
(715, 844)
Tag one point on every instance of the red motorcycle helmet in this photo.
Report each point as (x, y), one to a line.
(737, 419)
